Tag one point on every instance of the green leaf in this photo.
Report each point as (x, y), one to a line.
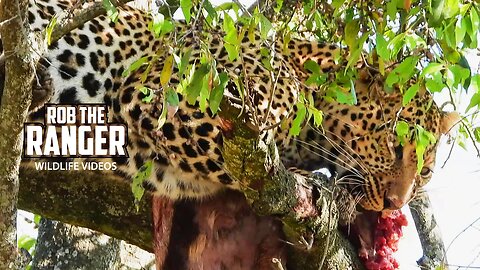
(395, 44)
(156, 24)
(435, 84)
(112, 11)
(204, 93)
(410, 93)
(351, 34)
(232, 51)
(172, 97)
(184, 62)
(436, 8)
(419, 151)
(312, 66)
(26, 242)
(231, 38)
(431, 68)
(460, 30)
(392, 9)
(353, 58)
(423, 139)
(148, 92)
(265, 26)
(252, 28)
(450, 35)
(137, 185)
(392, 79)
(317, 79)
(458, 75)
(36, 219)
(186, 6)
(49, 29)
(317, 116)
(382, 47)
(167, 70)
(298, 120)
(266, 58)
(475, 83)
(212, 13)
(344, 98)
(279, 5)
(413, 41)
(134, 66)
(402, 128)
(228, 6)
(403, 72)
(474, 19)
(353, 93)
(195, 86)
(474, 101)
(476, 134)
(163, 116)
(451, 8)
(217, 93)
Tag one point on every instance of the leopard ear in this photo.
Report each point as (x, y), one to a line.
(448, 121)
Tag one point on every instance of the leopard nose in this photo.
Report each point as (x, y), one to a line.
(393, 203)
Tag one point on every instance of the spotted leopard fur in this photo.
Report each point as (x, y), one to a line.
(357, 142)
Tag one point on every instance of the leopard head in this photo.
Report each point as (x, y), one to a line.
(378, 166)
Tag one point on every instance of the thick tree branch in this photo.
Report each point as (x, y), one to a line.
(13, 112)
(434, 254)
(89, 199)
(305, 206)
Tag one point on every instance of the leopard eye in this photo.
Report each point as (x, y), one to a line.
(426, 172)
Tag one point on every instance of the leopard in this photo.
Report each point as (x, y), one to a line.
(357, 142)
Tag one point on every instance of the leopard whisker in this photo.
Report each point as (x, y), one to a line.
(331, 157)
(347, 180)
(341, 149)
(356, 200)
(338, 147)
(328, 158)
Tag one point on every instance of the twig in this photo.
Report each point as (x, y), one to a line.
(449, 154)
(8, 20)
(80, 17)
(460, 233)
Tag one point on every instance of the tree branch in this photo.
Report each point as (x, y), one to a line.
(305, 206)
(13, 112)
(79, 17)
(434, 254)
(89, 199)
(266, 7)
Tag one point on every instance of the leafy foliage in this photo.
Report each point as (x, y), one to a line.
(137, 185)
(415, 45)
(112, 11)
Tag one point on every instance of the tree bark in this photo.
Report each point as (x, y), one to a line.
(93, 200)
(13, 112)
(434, 254)
(81, 16)
(306, 206)
(63, 246)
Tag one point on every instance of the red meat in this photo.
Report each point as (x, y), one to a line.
(387, 234)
